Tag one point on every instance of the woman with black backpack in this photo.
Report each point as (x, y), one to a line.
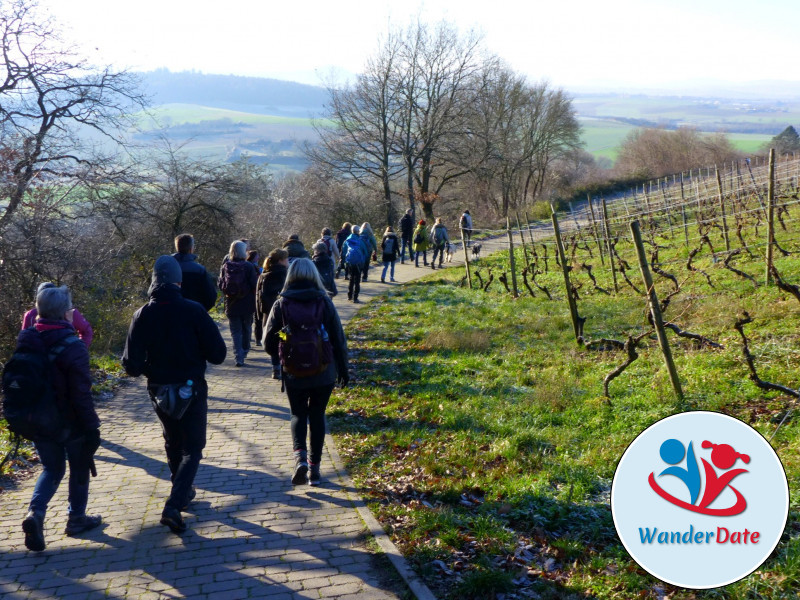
(305, 332)
(270, 284)
(389, 248)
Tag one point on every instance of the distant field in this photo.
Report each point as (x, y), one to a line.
(219, 133)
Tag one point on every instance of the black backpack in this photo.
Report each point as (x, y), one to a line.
(29, 400)
(233, 281)
(304, 348)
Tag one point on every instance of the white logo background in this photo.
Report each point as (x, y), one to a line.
(635, 505)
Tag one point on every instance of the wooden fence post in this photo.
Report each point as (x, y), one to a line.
(522, 237)
(594, 230)
(683, 214)
(655, 309)
(608, 243)
(511, 256)
(573, 308)
(722, 210)
(770, 214)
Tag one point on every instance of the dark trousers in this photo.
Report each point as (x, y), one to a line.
(438, 251)
(354, 286)
(54, 457)
(184, 440)
(308, 416)
(406, 242)
(424, 258)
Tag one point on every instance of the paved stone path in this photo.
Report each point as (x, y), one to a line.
(250, 533)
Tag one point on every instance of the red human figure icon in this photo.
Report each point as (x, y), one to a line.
(724, 457)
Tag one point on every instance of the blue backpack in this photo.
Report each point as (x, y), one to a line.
(355, 253)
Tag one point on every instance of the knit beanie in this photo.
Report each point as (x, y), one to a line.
(166, 270)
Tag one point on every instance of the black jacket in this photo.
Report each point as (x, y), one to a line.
(390, 250)
(171, 338)
(270, 284)
(333, 325)
(406, 226)
(71, 377)
(197, 283)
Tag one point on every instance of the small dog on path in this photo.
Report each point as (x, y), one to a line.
(448, 253)
(476, 251)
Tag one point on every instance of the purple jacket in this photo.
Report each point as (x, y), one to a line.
(72, 380)
(82, 327)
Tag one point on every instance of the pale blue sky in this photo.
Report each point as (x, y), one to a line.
(619, 44)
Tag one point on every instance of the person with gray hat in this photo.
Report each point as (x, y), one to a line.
(170, 339)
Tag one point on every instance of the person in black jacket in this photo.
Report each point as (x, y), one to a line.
(241, 306)
(197, 284)
(308, 396)
(170, 339)
(72, 383)
(341, 236)
(406, 234)
(270, 284)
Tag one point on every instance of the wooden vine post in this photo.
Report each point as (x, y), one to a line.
(511, 257)
(770, 214)
(683, 214)
(722, 210)
(522, 237)
(655, 310)
(466, 259)
(594, 230)
(573, 308)
(608, 243)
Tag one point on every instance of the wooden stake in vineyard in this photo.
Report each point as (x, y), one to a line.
(511, 257)
(466, 259)
(594, 229)
(722, 210)
(770, 214)
(655, 310)
(608, 243)
(573, 308)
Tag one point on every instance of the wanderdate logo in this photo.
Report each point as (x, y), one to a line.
(699, 499)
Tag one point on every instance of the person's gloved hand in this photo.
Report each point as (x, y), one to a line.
(343, 380)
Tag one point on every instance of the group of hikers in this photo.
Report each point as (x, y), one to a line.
(172, 338)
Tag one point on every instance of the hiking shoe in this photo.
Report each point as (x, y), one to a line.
(171, 517)
(239, 364)
(33, 526)
(356, 301)
(300, 470)
(79, 523)
(276, 373)
(313, 475)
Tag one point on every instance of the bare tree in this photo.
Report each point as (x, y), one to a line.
(50, 99)
(360, 130)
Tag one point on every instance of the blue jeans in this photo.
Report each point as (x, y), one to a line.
(241, 327)
(406, 242)
(424, 258)
(54, 457)
(184, 440)
(386, 264)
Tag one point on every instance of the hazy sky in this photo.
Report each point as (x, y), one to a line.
(627, 44)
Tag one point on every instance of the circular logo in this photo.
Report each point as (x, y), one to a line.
(700, 499)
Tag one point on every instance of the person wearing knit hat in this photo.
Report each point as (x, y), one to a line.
(169, 341)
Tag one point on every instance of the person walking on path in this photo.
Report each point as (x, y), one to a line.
(295, 248)
(341, 236)
(420, 243)
(331, 245)
(54, 334)
(197, 284)
(439, 241)
(465, 222)
(258, 330)
(389, 248)
(355, 254)
(82, 327)
(371, 244)
(270, 284)
(304, 306)
(169, 341)
(406, 235)
(322, 260)
(238, 280)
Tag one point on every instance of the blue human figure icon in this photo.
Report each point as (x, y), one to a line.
(672, 453)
